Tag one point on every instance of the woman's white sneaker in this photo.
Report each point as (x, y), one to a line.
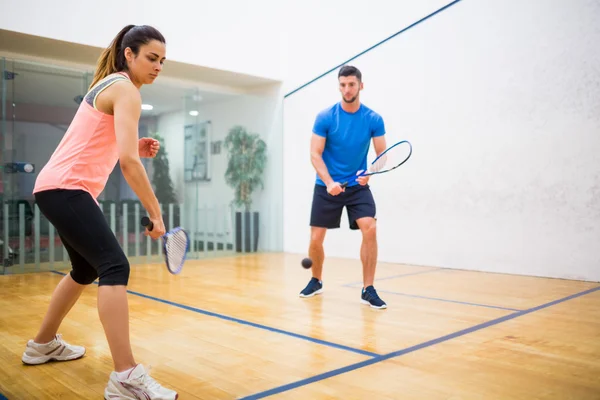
(56, 350)
(137, 384)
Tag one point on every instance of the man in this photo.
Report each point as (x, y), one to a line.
(339, 145)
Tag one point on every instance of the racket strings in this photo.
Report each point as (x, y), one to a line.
(175, 248)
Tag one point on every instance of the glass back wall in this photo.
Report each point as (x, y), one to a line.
(218, 174)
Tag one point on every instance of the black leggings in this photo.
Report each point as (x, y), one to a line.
(84, 231)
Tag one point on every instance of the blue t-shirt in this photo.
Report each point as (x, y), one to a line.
(348, 137)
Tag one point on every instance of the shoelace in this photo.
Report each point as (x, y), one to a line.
(57, 340)
(372, 293)
(148, 381)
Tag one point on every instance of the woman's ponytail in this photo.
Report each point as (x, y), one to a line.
(112, 58)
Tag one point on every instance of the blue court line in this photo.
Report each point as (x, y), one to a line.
(248, 323)
(411, 349)
(372, 47)
(449, 301)
(396, 276)
(353, 284)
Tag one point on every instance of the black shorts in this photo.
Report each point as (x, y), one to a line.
(327, 209)
(92, 246)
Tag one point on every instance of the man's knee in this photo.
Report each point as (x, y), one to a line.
(317, 235)
(115, 273)
(368, 227)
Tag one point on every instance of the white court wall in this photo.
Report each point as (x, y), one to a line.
(319, 35)
(501, 101)
(527, 81)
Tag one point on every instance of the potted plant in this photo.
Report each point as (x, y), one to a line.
(247, 159)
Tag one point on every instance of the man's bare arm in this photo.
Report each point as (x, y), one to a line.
(379, 144)
(317, 145)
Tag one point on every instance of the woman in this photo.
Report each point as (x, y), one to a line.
(103, 131)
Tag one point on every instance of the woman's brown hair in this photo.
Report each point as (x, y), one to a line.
(113, 59)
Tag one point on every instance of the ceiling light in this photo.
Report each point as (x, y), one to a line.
(193, 113)
(147, 107)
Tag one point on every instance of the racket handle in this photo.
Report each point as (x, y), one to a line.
(147, 223)
(343, 185)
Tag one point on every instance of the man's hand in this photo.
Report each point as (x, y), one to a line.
(362, 180)
(334, 188)
(148, 147)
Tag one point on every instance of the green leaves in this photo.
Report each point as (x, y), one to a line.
(247, 160)
(163, 186)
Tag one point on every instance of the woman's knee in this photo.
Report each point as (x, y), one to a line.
(84, 276)
(115, 273)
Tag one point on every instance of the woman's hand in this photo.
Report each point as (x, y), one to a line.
(148, 147)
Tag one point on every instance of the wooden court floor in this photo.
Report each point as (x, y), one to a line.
(235, 328)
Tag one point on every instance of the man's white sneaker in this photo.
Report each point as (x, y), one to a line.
(136, 385)
(57, 350)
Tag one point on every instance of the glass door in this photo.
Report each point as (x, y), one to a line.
(7, 182)
(38, 104)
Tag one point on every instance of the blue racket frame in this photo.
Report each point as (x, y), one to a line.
(148, 224)
(365, 173)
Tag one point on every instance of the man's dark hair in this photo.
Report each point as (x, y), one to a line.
(349, 70)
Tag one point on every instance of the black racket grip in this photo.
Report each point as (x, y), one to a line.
(147, 223)
(343, 185)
